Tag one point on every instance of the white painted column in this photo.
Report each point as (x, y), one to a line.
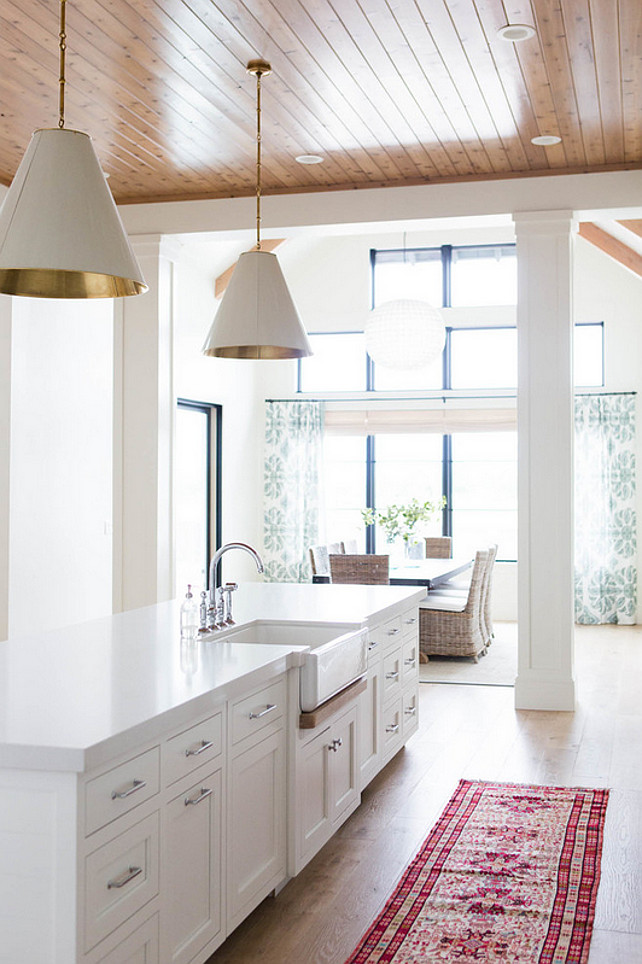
(143, 432)
(5, 457)
(545, 678)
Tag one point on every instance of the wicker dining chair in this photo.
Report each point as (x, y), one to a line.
(319, 557)
(439, 547)
(358, 569)
(486, 595)
(451, 625)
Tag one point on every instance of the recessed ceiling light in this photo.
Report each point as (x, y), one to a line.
(309, 159)
(546, 140)
(514, 33)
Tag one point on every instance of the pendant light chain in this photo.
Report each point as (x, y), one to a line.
(258, 160)
(63, 46)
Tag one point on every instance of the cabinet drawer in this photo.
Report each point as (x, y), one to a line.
(141, 947)
(410, 623)
(392, 727)
(120, 878)
(409, 660)
(410, 705)
(389, 633)
(191, 749)
(392, 673)
(120, 790)
(252, 714)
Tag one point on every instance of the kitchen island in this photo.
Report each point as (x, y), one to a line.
(152, 793)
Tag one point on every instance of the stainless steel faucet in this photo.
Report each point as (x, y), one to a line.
(221, 614)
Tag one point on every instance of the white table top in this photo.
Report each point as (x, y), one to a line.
(72, 698)
(428, 572)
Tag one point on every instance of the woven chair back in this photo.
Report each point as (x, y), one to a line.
(319, 557)
(473, 603)
(319, 560)
(360, 569)
(439, 547)
(487, 584)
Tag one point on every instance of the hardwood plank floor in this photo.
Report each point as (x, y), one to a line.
(475, 732)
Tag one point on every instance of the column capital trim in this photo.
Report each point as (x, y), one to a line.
(156, 245)
(545, 223)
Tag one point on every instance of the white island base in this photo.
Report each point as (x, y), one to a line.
(152, 794)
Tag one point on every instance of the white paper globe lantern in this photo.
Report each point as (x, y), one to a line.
(404, 334)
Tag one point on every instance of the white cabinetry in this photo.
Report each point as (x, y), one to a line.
(388, 708)
(256, 841)
(192, 912)
(327, 781)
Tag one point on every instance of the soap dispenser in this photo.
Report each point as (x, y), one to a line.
(189, 616)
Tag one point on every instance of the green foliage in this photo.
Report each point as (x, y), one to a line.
(402, 521)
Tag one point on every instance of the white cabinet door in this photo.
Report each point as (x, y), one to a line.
(370, 727)
(313, 778)
(192, 869)
(256, 853)
(344, 789)
(327, 784)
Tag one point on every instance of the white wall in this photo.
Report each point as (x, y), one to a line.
(229, 382)
(61, 455)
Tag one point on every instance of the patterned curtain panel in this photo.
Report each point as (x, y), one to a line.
(605, 523)
(293, 449)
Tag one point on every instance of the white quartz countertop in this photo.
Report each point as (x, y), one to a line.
(72, 698)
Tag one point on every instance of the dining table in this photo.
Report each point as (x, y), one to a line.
(430, 573)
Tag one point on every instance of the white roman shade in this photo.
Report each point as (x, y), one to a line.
(375, 421)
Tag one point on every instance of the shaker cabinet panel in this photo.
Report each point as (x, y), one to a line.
(141, 947)
(120, 878)
(369, 726)
(314, 794)
(192, 869)
(256, 856)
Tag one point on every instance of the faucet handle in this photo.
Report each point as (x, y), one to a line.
(226, 592)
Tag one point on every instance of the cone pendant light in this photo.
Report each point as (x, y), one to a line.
(60, 232)
(257, 317)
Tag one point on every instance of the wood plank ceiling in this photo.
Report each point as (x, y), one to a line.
(389, 92)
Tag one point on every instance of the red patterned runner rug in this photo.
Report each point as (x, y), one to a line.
(508, 874)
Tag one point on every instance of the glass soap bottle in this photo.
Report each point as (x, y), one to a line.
(189, 616)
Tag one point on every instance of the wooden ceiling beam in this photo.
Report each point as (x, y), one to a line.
(615, 249)
(635, 226)
(223, 279)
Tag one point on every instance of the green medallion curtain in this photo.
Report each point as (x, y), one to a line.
(605, 519)
(293, 452)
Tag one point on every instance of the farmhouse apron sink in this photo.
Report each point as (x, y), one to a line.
(338, 653)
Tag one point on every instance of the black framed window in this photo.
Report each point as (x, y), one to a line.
(476, 472)
(197, 491)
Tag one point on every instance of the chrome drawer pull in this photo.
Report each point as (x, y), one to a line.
(392, 632)
(393, 675)
(393, 729)
(268, 709)
(121, 794)
(372, 645)
(410, 662)
(334, 746)
(409, 622)
(199, 748)
(124, 878)
(200, 796)
(411, 711)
